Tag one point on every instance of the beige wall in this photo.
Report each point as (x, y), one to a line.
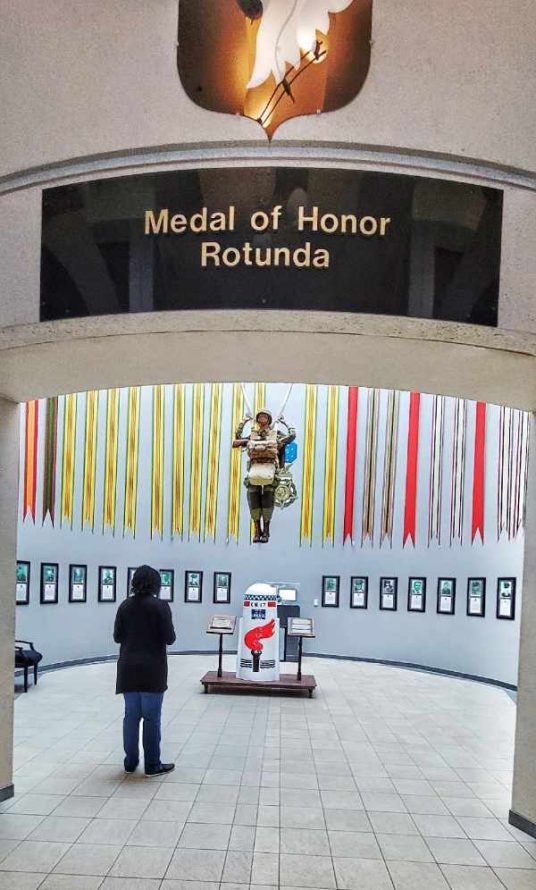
(453, 78)
(9, 465)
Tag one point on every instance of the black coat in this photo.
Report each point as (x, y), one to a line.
(143, 627)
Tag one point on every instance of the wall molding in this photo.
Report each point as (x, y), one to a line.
(522, 823)
(7, 792)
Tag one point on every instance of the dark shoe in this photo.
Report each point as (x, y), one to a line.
(129, 768)
(257, 538)
(265, 537)
(160, 770)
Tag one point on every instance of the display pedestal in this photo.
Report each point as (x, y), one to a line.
(229, 682)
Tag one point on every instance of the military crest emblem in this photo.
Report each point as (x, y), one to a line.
(272, 60)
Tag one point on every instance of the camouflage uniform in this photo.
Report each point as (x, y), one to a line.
(261, 499)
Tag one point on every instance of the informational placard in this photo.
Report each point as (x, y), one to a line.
(222, 624)
(222, 587)
(330, 591)
(49, 582)
(77, 583)
(193, 587)
(288, 593)
(300, 627)
(22, 589)
(167, 578)
(417, 594)
(388, 594)
(359, 592)
(476, 597)
(506, 598)
(107, 584)
(446, 596)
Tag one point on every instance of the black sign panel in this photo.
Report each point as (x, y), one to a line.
(272, 238)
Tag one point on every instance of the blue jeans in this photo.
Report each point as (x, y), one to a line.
(146, 705)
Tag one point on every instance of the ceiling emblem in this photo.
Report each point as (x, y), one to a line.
(271, 60)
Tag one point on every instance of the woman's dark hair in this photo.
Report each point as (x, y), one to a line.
(146, 581)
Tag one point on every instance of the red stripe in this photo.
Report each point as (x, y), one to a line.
(25, 490)
(351, 451)
(410, 507)
(30, 459)
(479, 472)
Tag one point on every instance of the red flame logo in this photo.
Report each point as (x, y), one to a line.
(254, 636)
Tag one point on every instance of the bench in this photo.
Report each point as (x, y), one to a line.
(27, 658)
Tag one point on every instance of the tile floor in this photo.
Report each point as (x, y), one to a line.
(387, 780)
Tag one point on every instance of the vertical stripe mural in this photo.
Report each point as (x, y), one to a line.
(177, 484)
(479, 473)
(435, 489)
(412, 470)
(371, 456)
(330, 465)
(457, 487)
(89, 481)
(309, 443)
(50, 458)
(157, 462)
(389, 467)
(196, 460)
(351, 455)
(111, 439)
(68, 461)
(235, 468)
(213, 461)
(30, 459)
(130, 509)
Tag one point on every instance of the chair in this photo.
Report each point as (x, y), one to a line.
(27, 658)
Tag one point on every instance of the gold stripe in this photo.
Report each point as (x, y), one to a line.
(110, 460)
(259, 401)
(90, 459)
(306, 523)
(371, 452)
(131, 461)
(235, 481)
(69, 450)
(196, 460)
(177, 494)
(157, 469)
(214, 437)
(330, 466)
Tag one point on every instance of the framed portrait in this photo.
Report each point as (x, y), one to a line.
(49, 582)
(358, 592)
(389, 594)
(77, 584)
(476, 597)
(330, 591)
(221, 591)
(130, 575)
(193, 587)
(506, 598)
(446, 596)
(107, 584)
(22, 589)
(417, 594)
(167, 590)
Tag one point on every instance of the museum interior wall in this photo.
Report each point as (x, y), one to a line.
(385, 484)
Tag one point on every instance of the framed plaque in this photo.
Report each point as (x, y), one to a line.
(417, 595)
(330, 591)
(193, 587)
(446, 596)
(107, 584)
(130, 575)
(22, 589)
(506, 598)
(49, 582)
(221, 592)
(221, 624)
(359, 592)
(388, 594)
(167, 590)
(476, 597)
(300, 627)
(288, 593)
(77, 584)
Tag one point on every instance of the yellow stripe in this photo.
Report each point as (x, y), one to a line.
(177, 493)
(235, 481)
(259, 401)
(371, 451)
(157, 471)
(69, 450)
(131, 460)
(110, 460)
(214, 437)
(306, 524)
(330, 467)
(196, 461)
(90, 459)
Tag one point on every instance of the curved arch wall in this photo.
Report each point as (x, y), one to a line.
(91, 515)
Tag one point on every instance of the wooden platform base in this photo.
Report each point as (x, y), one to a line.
(229, 682)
